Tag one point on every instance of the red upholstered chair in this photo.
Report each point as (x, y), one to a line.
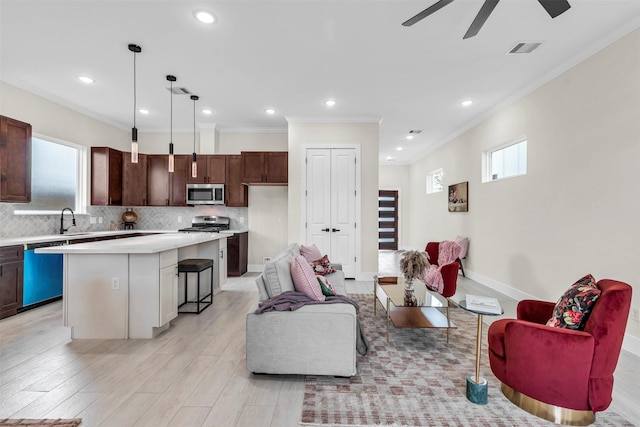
(449, 275)
(562, 375)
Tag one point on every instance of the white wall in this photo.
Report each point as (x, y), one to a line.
(366, 134)
(577, 210)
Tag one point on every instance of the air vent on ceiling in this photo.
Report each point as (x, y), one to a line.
(524, 47)
(179, 91)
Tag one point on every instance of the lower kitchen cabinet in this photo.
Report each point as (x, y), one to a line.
(11, 280)
(153, 299)
(237, 251)
(222, 263)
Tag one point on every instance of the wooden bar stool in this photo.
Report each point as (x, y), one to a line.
(196, 265)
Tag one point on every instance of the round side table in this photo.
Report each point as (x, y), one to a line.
(477, 386)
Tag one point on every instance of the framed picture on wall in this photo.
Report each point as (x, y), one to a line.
(459, 197)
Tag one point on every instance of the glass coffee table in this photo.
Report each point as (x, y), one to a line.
(390, 291)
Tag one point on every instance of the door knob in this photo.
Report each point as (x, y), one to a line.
(335, 229)
(325, 229)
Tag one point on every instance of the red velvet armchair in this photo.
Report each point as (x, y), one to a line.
(562, 375)
(449, 271)
(449, 276)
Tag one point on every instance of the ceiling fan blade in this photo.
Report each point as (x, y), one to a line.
(555, 7)
(481, 17)
(428, 11)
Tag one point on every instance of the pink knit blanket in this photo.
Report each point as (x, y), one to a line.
(448, 252)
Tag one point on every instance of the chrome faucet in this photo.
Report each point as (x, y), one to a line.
(73, 220)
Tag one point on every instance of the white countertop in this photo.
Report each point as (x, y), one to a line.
(136, 245)
(73, 236)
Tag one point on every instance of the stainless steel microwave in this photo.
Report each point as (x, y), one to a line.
(205, 194)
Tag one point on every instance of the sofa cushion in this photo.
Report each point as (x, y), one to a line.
(574, 306)
(304, 279)
(277, 274)
(322, 266)
(310, 253)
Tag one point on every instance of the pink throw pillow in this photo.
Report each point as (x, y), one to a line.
(304, 279)
(310, 253)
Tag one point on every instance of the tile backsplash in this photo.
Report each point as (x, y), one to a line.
(149, 218)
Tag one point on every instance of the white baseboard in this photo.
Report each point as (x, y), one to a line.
(255, 268)
(630, 343)
(498, 286)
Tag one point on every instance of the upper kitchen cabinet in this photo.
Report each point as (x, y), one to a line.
(106, 176)
(211, 170)
(236, 194)
(15, 161)
(265, 167)
(165, 188)
(134, 180)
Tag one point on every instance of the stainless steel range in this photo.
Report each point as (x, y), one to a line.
(207, 224)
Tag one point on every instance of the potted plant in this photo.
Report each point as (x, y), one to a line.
(413, 265)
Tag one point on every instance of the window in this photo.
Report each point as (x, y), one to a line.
(507, 160)
(55, 176)
(435, 182)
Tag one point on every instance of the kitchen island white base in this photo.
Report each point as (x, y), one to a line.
(129, 288)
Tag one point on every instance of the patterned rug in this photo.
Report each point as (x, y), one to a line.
(40, 423)
(416, 379)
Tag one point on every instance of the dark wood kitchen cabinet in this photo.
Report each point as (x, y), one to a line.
(211, 169)
(265, 167)
(134, 180)
(106, 176)
(11, 280)
(178, 180)
(165, 188)
(15, 161)
(237, 254)
(236, 194)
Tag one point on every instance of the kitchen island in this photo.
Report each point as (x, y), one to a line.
(128, 288)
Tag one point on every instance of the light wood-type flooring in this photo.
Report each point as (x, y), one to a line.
(192, 375)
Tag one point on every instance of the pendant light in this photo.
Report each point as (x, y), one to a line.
(194, 156)
(171, 157)
(134, 131)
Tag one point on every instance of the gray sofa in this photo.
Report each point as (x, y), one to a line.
(315, 339)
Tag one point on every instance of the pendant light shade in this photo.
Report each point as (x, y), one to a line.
(171, 79)
(194, 156)
(134, 131)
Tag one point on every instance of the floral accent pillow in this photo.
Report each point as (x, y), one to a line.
(573, 308)
(326, 287)
(322, 266)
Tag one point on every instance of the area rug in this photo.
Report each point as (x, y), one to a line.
(40, 423)
(416, 379)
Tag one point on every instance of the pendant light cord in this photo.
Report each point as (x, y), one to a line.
(194, 125)
(134, 89)
(171, 114)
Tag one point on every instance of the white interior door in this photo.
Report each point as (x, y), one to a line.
(331, 204)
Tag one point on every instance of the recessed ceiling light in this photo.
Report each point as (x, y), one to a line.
(330, 102)
(399, 148)
(270, 111)
(390, 159)
(409, 137)
(85, 79)
(205, 17)
(466, 102)
(143, 111)
(207, 111)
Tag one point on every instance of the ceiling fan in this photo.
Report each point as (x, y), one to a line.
(553, 8)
